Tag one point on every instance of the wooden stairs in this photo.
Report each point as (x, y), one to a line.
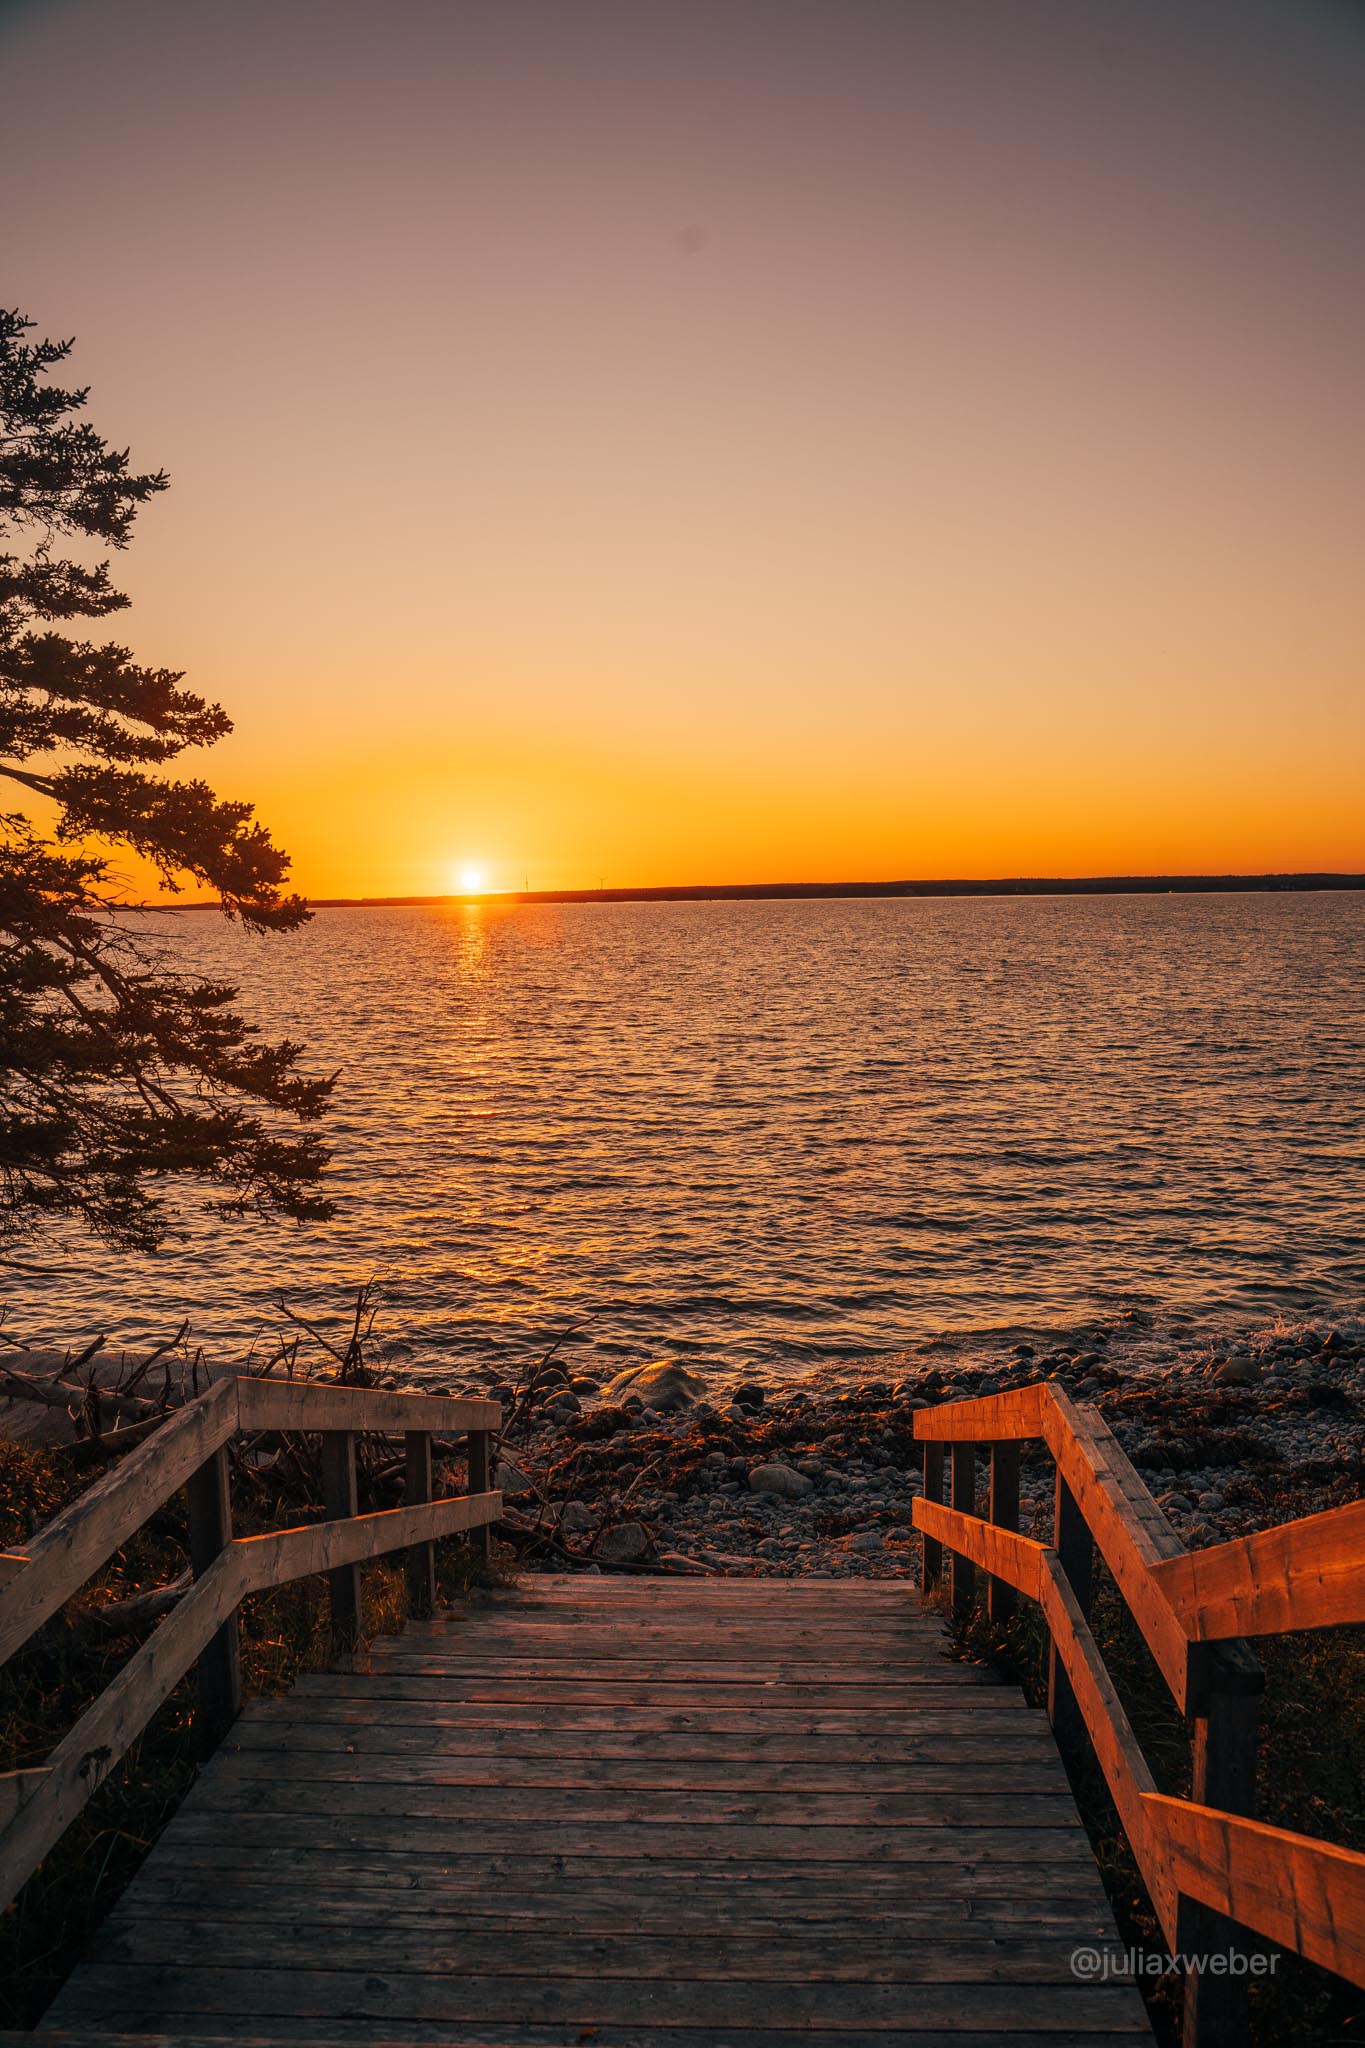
(628, 1813)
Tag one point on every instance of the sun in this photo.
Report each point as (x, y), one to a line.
(470, 880)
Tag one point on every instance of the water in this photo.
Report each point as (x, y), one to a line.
(801, 1136)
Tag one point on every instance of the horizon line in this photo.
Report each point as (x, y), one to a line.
(1009, 885)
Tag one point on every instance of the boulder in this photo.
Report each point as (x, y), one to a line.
(511, 1480)
(576, 1518)
(627, 1543)
(781, 1480)
(665, 1386)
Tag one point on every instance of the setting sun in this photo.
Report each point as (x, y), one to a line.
(469, 880)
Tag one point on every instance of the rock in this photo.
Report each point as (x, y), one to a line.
(781, 1480)
(511, 1480)
(627, 1543)
(748, 1394)
(665, 1386)
(576, 1518)
(1174, 1504)
(864, 1541)
(1241, 1371)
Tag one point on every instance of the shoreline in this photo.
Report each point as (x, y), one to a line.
(657, 1467)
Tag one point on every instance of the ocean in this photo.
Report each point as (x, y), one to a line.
(803, 1138)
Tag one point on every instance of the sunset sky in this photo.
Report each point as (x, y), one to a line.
(720, 440)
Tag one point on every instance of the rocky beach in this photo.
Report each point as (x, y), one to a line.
(661, 1469)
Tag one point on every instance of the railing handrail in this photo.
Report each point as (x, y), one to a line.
(42, 1575)
(38, 1805)
(1296, 1890)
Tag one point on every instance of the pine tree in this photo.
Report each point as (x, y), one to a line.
(118, 1074)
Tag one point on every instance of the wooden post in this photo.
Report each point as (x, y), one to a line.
(1215, 2008)
(961, 1571)
(480, 1446)
(421, 1557)
(1004, 1512)
(1075, 1549)
(219, 1670)
(932, 1569)
(339, 1501)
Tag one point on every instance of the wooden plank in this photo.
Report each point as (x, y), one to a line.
(604, 1804)
(181, 2030)
(480, 1464)
(64, 1553)
(1111, 1735)
(417, 1491)
(1304, 1574)
(1306, 1895)
(218, 1674)
(961, 1570)
(1014, 1748)
(990, 1418)
(700, 1906)
(1074, 1557)
(102, 1992)
(924, 1710)
(649, 1772)
(932, 1567)
(1004, 1513)
(291, 1941)
(587, 1692)
(252, 1835)
(316, 1405)
(340, 1503)
(1014, 1559)
(279, 1555)
(16, 1788)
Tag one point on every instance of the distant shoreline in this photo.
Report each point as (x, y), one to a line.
(752, 892)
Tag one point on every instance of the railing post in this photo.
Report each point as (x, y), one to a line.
(932, 1569)
(961, 1571)
(340, 1501)
(218, 1673)
(480, 1448)
(1004, 1512)
(1075, 1549)
(1216, 2006)
(421, 1557)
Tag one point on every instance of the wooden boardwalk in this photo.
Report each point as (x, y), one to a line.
(628, 1814)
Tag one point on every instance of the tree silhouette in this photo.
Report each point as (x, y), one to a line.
(117, 1072)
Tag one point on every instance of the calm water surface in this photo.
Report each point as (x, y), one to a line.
(796, 1135)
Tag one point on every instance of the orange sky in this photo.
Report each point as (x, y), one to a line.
(652, 442)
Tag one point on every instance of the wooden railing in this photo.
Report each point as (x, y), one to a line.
(1210, 1868)
(37, 1806)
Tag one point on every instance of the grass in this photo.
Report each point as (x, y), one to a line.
(1311, 1779)
(45, 1688)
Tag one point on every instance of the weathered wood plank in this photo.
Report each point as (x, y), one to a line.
(1305, 1894)
(291, 1941)
(1017, 1413)
(1005, 1555)
(925, 1710)
(181, 2030)
(252, 1834)
(1304, 1574)
(315, 1405)
(64, 1553)
(102, 1992)
(663, 1907)
(603, 1804)
(1115, 1745)
(982, 1776)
